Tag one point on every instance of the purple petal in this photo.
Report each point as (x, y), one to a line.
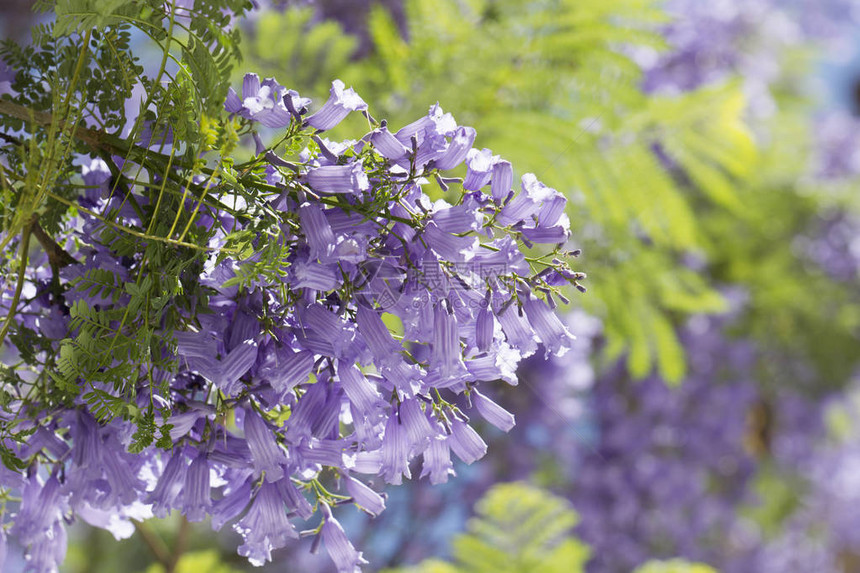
(197, 501)
(341, 551)
(349, 178)
(458, 219)
(316, 276)
(235, 365)
(542, 235)
(448, 246)
(364, 497)
(231, 505)
(386, 144)
(479, 168)
(502, 181)
(549, 329)
(484, 326)
(437, 461)
(289, 369)
(361, 393)
(465, 442)
(460, 145)
(492, 412)
(317, 230)
(418, 428)
(341, 101)
(395, 452)
(250, 85)
(265, 527)
(377, 336)
(163, 497)
(266, 454)
(446, 341)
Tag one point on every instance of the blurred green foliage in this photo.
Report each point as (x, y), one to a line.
(674, 566)
(199, 562)
(522, 529)
(517, 529)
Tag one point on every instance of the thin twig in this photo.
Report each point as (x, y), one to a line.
(181, 544)
(22, 272)
(155, 544)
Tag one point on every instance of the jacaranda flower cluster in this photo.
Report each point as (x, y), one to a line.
(338, 317)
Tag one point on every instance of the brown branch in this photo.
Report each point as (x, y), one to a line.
(181, 544)
(43, 118)
(57, 256)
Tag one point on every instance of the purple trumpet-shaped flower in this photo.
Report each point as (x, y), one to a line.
(295, 501)
(492, 412)
(465, 442)
(432, 147)
(479, 168)
(317, 230)
(449, 246)
(345, 179)
(436, 122)
(313, 452)
(387, 145)
(96, 175)
(395, 452)
(546, 324)
(549, 235)
(534, 199)
(237, 362)
(265, 526)
(195, 344)
(163, 497)
(287, 368)
(458, 149)
(47, 440)
(502, 180)
(457, 219)
(324, 332)
(437, 460)
(500, 364)
(362, 394)
(267, 456)
(39, 511)
(377, 336)
(227, 373)
(197, 501)
(518, 331)
(87, 441)
(446, 342)
(341, 551)
(231, 505)
(363, 496)
(341, 101)
(124, 484)
(47, 552)
(184, 422)
(264, 102)
(316, 413)
(484, 327)
(418, 428)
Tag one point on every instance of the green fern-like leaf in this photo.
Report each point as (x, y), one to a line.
(518, 529)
